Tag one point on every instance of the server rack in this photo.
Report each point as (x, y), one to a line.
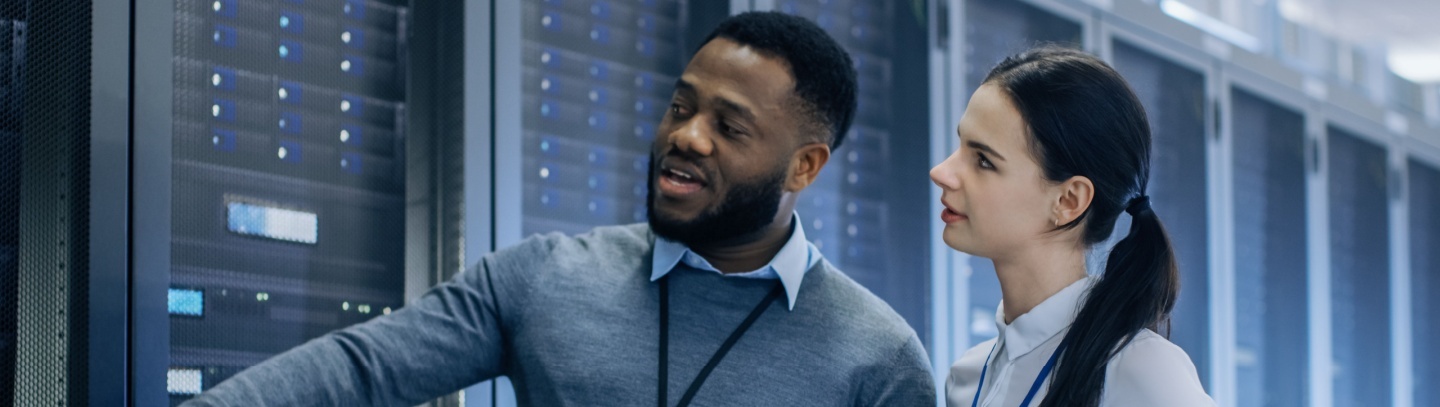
(595, 80)
(1177, 103)
(287, 209)
(1360, 268)
(1270, 256)
(867, 212)
(1424, 199)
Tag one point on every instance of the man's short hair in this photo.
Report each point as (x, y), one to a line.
(825, 79)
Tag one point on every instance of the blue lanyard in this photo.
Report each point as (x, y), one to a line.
(1034, 388)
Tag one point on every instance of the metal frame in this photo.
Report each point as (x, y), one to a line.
(493, 71)
(1401, 333)
(945, 72)
(109, 202)
(151, 182)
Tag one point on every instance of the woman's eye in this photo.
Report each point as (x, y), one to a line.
(985, 162)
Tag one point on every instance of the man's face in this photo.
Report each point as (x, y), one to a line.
(722, 153)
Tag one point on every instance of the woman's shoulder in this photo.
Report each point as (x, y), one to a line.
(1151, 370)
(965, 374)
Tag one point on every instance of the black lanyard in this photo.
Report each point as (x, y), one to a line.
(719, 354)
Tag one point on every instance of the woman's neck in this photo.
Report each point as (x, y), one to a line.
(1028, 279)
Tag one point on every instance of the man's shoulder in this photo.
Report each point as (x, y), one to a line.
(604, 240)
(852, 306)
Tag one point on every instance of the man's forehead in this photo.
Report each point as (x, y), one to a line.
(738, 73)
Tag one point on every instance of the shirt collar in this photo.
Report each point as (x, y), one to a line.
(1043, 322)
(789, 265)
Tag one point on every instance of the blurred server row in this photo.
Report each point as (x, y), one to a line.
(597, 77)
(862, 212)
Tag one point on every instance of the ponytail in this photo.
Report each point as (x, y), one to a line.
(1137, 291)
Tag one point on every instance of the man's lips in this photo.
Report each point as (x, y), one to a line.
(677, 180)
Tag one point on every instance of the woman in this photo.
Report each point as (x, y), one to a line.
(1053, 147)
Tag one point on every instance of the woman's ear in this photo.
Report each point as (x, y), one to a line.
(1076, 194)
(805, 165)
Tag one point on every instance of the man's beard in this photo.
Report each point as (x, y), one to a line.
(746, 210)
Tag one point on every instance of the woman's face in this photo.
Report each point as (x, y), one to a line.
(995, 193)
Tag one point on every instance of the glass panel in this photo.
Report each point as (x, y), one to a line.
(288, 192)
(1174, 99)
(1271, 352)
(1425, 279)
(1360, 270)
(869, 209)
(597, 80)
(996, 29)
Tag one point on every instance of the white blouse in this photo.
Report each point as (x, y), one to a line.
(1150, 371)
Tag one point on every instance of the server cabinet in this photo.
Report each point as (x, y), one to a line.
(868, 211)
(288, 162)
(995, 29)
(1269, 167)
(592, 81)
(1424, 196)
(1360, 269)
(1175, 103)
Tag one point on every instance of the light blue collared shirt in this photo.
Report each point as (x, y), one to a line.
(789, 265)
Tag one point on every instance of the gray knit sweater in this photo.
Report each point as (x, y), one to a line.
(573, 321)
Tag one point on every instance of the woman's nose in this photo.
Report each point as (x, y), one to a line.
(943, 176)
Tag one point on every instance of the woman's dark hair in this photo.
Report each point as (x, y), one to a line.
(1083, 119)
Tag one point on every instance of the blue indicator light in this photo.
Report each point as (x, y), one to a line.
(290, 92)
(350, 162)
(350, 134)
(291, 51)
(187, 302)
(272, 223)
(289, 151)
(291, 122)
(354, 9)
(224, 36)
(222, 78)
(223, 140)
(292, 22)
(223, 110)
(223, 8)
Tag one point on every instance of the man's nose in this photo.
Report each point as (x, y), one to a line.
(692, 137)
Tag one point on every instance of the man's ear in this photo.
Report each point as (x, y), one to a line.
(805, 165)
(1076, 194)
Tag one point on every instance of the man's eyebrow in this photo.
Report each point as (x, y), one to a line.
(729, 105)
(681, 84)
(983, 147)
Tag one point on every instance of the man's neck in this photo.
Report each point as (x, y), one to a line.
(754, 253)
(1029, 279)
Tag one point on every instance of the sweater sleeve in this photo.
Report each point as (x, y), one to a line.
(904, 379)
(451, 337)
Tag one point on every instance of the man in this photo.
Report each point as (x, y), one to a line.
(685, 309)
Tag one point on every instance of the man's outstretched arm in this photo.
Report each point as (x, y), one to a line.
(449, 338)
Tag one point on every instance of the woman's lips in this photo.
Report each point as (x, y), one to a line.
(950, 216)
